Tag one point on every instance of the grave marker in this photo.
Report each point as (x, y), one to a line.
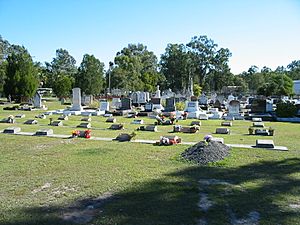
(12, 130)
(222, 130)
(265, 144)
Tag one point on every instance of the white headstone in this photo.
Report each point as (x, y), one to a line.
(37, 100)
(234, 107)
(203, 99)
(157, 92)
(116, 103)
(230, 98)
(104, 106)
(76, 100)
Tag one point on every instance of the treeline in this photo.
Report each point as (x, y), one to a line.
(135, 68)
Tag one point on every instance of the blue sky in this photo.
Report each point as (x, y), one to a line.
(257, 32)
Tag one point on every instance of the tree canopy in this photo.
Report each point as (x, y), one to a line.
(90, 75)
(135, 68)
(21, 74)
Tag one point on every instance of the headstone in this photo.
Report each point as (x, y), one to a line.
(256, 119)
(56, 123)
(148, 128)
(48, 113)
(44, 132)
(19, 116)
(226, 124)
(104, 106)
(222, 130)
(37, 100)
(261, 132)
(111, 120)
(194, 98)
(192, 108)
(213, 98)
(41, 116)
(12, 130)
(134, 98)
(148, 107)
(170, 105)
(8, 120)
(116, 126)
(31, 122)
(258, 124)
(63, 117)
(137, 122)
(198, 123)
(87, 100)
(220, 140)
(258, 106)
(269, 105)
(190, 130)
(177, 128)
(156, 103)
(86, 119)
(234, 111)
(76, 100)
(234, 107)
(157, 92)
(230, 98)
(126, 104)
(107, 115)
(215, 114)
(124, 137)
(85, 125)
(116, 103)
(203, 99)
(265, 144)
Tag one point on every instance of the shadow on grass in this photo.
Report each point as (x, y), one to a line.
(263, 187)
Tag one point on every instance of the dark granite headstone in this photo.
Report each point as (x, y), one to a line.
(222, 130)
(258, 106)
(156, 101)
(30, 122)
(170, 105)
(126, 104)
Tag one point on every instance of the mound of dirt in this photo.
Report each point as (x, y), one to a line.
(203, 152)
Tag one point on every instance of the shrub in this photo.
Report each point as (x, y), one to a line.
(286, 109)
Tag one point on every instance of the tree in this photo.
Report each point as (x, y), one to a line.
(135, 68)
(5, 48)
(294, 70)
(63, 86)
(21, 75)
(277, 84)
(62, 65)
(197, 90)
(90, 76)
(175, 63)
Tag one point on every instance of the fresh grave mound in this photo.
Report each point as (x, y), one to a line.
(205, 152)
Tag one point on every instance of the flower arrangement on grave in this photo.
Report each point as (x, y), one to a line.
(87, 133)
(251, 130)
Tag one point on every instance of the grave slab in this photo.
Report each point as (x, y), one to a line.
(116, 126)
(198, 123)
(85, 125)
(258, 124)
(12, 130)
(56, 123)
(87, 119)
(256, 119)
(63, 117)
(31, 122)
(44, 132)
(220, 140)
(137, 122)
(19, 116)
(222, 130)
(111, 120)
(226, 124)
(265, 144)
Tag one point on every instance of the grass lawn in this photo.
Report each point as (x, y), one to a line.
(73, 181)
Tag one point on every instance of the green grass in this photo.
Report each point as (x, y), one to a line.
(146, 184)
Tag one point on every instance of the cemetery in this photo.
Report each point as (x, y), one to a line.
(185, 137)
(229, 137)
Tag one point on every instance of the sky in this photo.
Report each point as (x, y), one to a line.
(257, 32)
